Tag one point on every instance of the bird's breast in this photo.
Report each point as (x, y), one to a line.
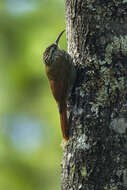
(57, 70)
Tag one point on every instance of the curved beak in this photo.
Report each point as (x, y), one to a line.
(58, 38)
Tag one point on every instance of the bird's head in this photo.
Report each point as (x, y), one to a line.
(48, 54)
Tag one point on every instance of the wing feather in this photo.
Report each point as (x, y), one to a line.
(58, 90)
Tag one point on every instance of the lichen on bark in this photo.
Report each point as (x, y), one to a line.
(96, 155)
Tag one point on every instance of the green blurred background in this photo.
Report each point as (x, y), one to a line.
(30, 135)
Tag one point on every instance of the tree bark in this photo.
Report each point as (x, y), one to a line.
(96, 155)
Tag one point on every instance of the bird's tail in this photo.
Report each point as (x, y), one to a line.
(64, 120)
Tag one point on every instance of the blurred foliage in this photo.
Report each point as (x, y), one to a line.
(30, 135)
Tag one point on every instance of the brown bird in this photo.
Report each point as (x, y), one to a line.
(61, 74)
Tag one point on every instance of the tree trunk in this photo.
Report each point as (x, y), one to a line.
(96, 155)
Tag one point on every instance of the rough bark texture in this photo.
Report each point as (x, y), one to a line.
(96, 155)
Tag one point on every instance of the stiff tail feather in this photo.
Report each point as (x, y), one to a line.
(64, 120)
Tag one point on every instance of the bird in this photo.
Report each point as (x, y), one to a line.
(61, 74)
